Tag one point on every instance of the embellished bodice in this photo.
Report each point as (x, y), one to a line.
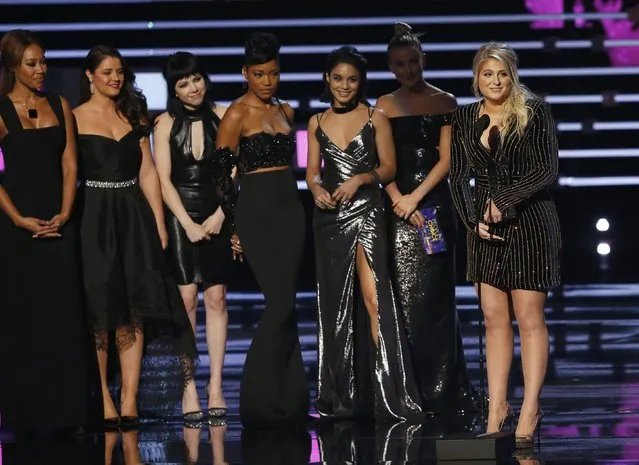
(263, 150)
(192, 177)
(416, 148)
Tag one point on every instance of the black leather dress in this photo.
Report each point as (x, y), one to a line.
(206, 262)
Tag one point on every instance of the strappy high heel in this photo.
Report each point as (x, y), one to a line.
(527, 441)
(508, 418)
(193, 419)
(214, 412)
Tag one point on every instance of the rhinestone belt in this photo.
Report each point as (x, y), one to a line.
(111, 184)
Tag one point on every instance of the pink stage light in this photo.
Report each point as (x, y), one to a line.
(618, 29)
(301, 137)
(546, 7)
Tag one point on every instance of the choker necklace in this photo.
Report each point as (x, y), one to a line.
(350, 106)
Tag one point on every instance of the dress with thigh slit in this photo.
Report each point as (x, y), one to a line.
(349, 386)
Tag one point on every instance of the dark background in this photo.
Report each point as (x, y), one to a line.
(579, 207)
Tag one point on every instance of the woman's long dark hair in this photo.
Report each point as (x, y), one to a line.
(131, 102)
(181, 65)
(351, 56)
(12, 48)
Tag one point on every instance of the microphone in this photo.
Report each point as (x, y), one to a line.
(493, 140)
(481, 124)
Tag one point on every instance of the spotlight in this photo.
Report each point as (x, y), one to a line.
(603, 248)
(602, 225)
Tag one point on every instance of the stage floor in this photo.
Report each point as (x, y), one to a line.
(591, 399)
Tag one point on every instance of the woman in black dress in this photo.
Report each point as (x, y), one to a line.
(356, 144)
(199, 249)
(508, 140)
(256, 135)
(424, 279)
(129, 288)
(43, 337)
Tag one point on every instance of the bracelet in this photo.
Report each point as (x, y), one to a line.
(374, 177)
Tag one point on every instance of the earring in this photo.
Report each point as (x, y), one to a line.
(244, 83)
(91, 88)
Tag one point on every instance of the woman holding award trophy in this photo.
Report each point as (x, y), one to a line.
(508, 141)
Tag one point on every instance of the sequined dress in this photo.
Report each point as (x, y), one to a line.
(529, 258)
(348, 386)
(425, 284)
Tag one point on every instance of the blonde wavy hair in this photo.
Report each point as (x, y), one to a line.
(516, 112)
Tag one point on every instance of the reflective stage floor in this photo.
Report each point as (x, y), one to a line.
(591, 399)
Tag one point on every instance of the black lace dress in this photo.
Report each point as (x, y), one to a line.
(127, 280)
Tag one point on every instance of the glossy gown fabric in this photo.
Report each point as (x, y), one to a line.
(43, 336)
(127, 280)
(529, 258)
(425, 284)
(345, 386)
(206, 262)
(271, 226)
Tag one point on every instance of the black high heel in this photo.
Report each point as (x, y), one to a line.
(128, 422)
(111, 424)
(527, 441)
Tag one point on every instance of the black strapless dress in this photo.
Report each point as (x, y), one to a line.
(127, 280)
(425, 284)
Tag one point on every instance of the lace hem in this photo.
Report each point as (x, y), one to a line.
(125, 337)
(151, 306)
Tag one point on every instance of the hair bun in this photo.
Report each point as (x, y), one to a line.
(402, 29)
